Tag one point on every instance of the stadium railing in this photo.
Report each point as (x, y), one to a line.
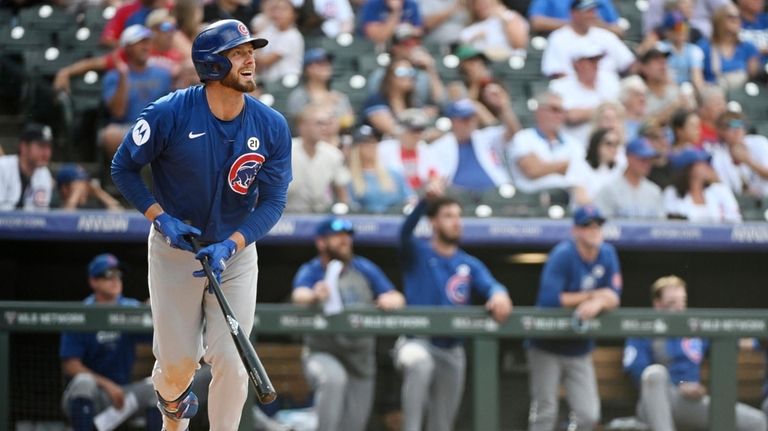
(722, 326)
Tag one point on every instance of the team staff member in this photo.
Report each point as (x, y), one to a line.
(436, 272)
(213, 151)
(25, 180)
(342, 368)
(668, 373)
(582, 273)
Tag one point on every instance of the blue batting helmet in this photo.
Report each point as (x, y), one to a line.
(215, 39)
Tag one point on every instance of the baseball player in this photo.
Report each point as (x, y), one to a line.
(221, 161)
(436, 272)
(342, 368)
(582, 273)
(98, 365)
(25, 181)
(667, 371)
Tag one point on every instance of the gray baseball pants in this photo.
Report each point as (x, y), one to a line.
(577, 374)
(342, 401)
(84, 385)
(663, 408)
(433, 383)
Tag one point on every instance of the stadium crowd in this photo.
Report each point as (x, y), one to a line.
(658, 115)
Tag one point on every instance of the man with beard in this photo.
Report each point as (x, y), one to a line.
(436, 272)
(25, 181)
(341, 368)
(581, 273)
(221, 161)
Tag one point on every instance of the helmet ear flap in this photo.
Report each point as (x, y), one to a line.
(217, 66)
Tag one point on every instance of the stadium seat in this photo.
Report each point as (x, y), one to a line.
(510, 202)
(629, 11)
(18, 39)
(279, 92)
(751, 100)
(48, 61)
(46, 17)
(348, 85)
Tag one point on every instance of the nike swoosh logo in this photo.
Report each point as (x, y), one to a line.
(193, 135)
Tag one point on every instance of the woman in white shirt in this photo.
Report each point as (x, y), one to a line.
(601, 160)
(696, 193)
(495, 30)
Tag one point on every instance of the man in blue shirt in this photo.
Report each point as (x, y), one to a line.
(98, 365)
(381, 19)
(548, 15)
(342, 368)
(436, 272)
(131, 85)
(581, 273)
(221, 161)
(668, 373)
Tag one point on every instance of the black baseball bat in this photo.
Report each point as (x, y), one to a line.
(256, 372)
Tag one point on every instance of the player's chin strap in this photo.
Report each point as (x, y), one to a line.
(185, 405)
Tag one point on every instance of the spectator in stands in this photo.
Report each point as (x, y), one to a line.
(630, 194)
(436, 272)
(471, 159)
(610, 115)
(77, 190)
(667, 372)
(341, 368)
(754, 25)
(25, 181)
(664, 96)
(397, 93)
(697, 12)
(131, 86)
(381, 19)
(686, 60)
(541, 157)
(283, 55)
(320, 177)
(659, 11)
(712, 105)
(601, 158)
(583, 29)
(131, 13)
(657, 136)
(475, 74)
(316, 88)
(740, 163)
(632, 93)
(407, 153)
(495, 30)
(583, 92)
(549, 15)
(582, 273)
(696, 194)
(189, 18)
(98, 366)
(443, 20)
(328, 18)
(374, 187)
(729, 61)
(216, 10)
(686, 129)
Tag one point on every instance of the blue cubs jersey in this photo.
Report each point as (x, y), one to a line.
(566, 271)
(108, 353)
(681, 356)
(314, 271)
(432, 279)
(221, 175)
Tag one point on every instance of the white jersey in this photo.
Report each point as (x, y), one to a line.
(558, 55)
(719, 205)
(38, 194)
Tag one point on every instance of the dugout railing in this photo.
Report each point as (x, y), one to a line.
(722, 326)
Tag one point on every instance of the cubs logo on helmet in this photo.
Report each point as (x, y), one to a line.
(209, 44)
(243, 172)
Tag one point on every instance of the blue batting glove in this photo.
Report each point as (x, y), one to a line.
(175, 231)
(217, 255)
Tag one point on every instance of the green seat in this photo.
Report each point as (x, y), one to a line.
(19, 39)
(753, 100)
(46, 18)
(519, 204)
(628, 10)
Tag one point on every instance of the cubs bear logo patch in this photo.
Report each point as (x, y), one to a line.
(243, 172)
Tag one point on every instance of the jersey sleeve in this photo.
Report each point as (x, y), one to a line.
(144, 141)
(308, 274)
(608, 12)
(379, 281)
(71, 345)
(553, 280)
(483, 281)
(407, 238)
(637, 357)
(538, 8)
(616, 282)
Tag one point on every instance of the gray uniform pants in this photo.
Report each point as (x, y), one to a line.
(84, 385)
(433, 382)
(577, 374)
(663, 408)
(342, 400)
(182, 311)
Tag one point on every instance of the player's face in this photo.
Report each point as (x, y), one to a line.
(446, 224)
(338, 246)
(241, 76)
(107, 287)
(36, 154)
(590, 236)
(673, 298)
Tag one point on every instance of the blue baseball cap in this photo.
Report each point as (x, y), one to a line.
(463, 108)
(583, 4)
(640, 147)
(587, 214)
(71, 172)
(134, 34)
(334, 225)
(103, 264)
(316, 55)
(684, 158)
(672, 19)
